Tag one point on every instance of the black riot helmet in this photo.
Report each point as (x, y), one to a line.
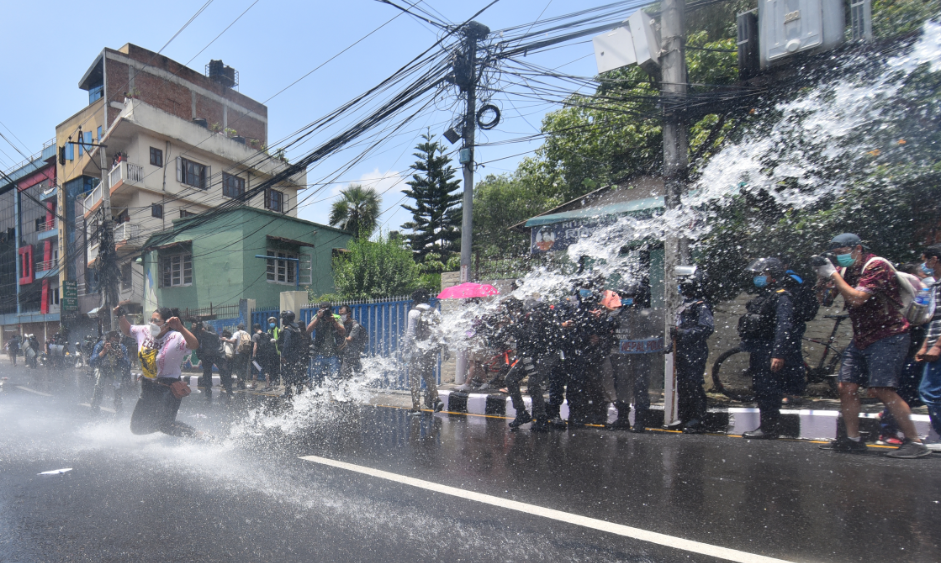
(770, 266)
(287, 317)
(690, 279)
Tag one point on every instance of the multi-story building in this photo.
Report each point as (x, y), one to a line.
(176, 142)
(29, 247)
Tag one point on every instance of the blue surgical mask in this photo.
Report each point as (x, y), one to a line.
(584, 293)
(928, 271)
(272, 325)
(845, 260)
(760, 281)
(627, 302)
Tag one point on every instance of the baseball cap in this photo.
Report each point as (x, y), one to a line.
(844, 240)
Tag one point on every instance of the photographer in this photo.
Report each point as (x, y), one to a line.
(328, 335)
(110, 365)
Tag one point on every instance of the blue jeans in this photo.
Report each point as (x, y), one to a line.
(930, 393)
(324, 367)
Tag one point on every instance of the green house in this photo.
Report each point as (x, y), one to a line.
(201, 264)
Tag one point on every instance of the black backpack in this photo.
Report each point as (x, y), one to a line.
(266, 347)
(805, 299)
(296, 345)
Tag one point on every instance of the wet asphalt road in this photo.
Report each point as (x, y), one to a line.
(247, 496)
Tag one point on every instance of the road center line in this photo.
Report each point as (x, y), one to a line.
(593, 523)
(33, 391)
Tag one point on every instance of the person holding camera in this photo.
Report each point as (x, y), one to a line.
(875, 357)
(329, 333)
(110, 366)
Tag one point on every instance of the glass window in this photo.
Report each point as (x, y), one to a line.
(274, 200)
(95, 93)
(232, 186)
(176, 270)
(194, 174)
(184, 213)
(156, 156)
(156, 210)
(127, 276)
(281, 271)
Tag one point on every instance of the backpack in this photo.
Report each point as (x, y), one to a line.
(914, 312)
(805, 300)
(425, 325)
(266, 347)
(244, 346)
(295, 347)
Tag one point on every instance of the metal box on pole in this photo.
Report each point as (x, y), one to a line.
(788, 27)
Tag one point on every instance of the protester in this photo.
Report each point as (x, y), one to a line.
(111, 367)
(210, 354)
(295, 354)
(351, 349)
(30, 351)
(275, 332)
(328, 335)
(13, 347)
(693, 325)
(421, 346)
(265, 354)
(771, 332)
(876, 355)
(929, 354)
(240, 362)
(163, 344)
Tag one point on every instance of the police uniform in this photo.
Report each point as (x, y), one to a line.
(694, 325)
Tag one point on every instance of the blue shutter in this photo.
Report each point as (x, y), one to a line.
(99, 133)
(69, 151)
(88, 138)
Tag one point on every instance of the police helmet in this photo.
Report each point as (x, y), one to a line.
(287, 316)
(771, 266)
(690, 280)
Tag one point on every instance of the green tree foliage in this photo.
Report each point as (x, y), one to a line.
(897, 17)
(436, 212)
(375, 269)
(357, 211)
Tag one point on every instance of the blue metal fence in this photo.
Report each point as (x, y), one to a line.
(385, 321)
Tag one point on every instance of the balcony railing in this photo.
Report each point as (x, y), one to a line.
(46, 265)
(49, 225)
(92, 198)
(126, 172)
(128, 233)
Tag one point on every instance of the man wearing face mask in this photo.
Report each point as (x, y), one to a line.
(631, 355)
(351, 349)
(876, 355)
(275, 332)
(771, 333)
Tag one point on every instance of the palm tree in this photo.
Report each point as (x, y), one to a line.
(357, 211)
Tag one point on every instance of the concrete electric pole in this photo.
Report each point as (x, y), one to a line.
(675, 162)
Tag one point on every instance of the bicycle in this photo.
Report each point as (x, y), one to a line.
(824, 371)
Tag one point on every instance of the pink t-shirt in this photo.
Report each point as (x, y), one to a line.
(171, 350)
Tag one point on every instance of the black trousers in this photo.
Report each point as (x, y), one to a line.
(690, 371)
(156, 410)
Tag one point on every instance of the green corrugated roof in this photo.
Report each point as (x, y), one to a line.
(636, 206)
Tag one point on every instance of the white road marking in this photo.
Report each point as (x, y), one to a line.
(593, 523)
(33, 391)
(112, 411)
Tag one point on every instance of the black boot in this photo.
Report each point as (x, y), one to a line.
(694, 426)
(522, 417)
(768, 430)
(540, 425)
(640, 422)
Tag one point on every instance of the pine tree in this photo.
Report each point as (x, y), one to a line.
(436, 214)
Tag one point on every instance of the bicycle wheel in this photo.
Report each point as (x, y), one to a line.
(732, 370)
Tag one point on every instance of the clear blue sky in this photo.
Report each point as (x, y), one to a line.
(47, 50)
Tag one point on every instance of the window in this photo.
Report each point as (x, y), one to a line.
(156, 210)
(127, 276)
(40, 224)
(176, 270)
(99, 133)
(54, 295)
(274, 200)
(232, 186)
(95, 93)
(156, 156)
(184, 213)
(192, 173)
(282, 271)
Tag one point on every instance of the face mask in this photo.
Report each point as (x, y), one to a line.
(155, 330)
(344, 317)
(272, 325)
(760, 281)
(928, 271)
(845, 260)
(584, 293)
(627, 302)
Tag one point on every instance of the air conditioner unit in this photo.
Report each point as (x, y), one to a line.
(787, 27)
(637, 41)
(861, 19)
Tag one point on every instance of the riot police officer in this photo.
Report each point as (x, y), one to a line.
(630, 363)
(693, 325)
(771, 333)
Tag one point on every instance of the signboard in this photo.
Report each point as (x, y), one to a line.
(69, 296)
(559, 236)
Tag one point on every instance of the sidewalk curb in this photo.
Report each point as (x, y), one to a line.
(806, 424)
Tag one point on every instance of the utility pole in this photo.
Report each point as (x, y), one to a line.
(675, 163)
(466, 76)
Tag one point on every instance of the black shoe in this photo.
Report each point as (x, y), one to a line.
(638, 429)
(414, 412)
(760, 434)
(619, 424)
(845, 445)
(522, 417)
(540, 425)
(557, 422)
(438, 405)
(694, 426)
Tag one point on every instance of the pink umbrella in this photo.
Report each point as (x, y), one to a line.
(468, 290)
